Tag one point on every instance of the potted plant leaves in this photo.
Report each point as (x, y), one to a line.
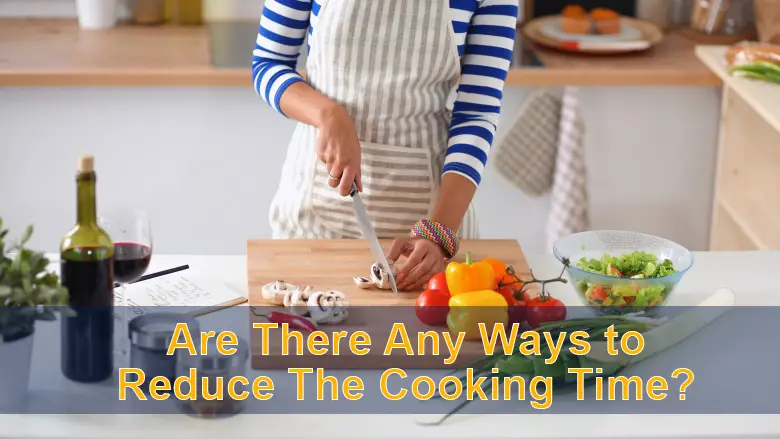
(28, 293)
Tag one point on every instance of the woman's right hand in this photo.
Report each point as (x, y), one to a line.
(339, 148)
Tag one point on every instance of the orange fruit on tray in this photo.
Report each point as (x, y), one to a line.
(606, 20)
(575, 20)
(574, 11)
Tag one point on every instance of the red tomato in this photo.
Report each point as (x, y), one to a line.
(544, 309)
(432, 307)
(529, 295)
(517, 312)
(438, 282)
(508, 289)
(598, 293)
(614, 270)
(509, 294)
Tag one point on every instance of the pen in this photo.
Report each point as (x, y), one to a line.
(158, 274)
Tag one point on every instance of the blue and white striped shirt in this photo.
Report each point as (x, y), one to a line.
(485, 34)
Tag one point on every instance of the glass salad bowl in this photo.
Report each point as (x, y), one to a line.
(619, 272)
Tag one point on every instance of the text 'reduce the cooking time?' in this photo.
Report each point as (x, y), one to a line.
(352, 388)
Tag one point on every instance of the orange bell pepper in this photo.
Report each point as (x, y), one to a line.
(468, 277)
(506, 284)
(499, 269)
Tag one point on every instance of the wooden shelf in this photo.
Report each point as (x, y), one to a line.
(763, 97)
(749, 176)
(746, 208)
(671, 63)
(57, 53)
(735, 231)
(42, 53)
(733, 234)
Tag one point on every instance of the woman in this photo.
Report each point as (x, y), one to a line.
(374, 110)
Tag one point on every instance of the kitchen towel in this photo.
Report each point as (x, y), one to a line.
(544, 151)
(569, 195)
(526, 155)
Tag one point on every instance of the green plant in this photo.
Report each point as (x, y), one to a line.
(28, 292)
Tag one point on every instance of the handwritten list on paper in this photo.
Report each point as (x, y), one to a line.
(176, 290)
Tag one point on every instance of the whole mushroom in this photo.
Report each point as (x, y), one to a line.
(380, 277)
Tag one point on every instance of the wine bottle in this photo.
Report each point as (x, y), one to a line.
(86, 269)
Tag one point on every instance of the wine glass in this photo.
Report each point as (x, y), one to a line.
(131, 232)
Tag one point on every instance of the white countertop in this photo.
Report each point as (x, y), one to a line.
(751, 275)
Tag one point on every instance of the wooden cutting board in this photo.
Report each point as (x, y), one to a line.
(331, 264)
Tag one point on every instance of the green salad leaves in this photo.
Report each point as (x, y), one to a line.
(626, 292)
(636, 264)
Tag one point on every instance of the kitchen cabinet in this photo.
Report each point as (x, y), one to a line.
(746, 202)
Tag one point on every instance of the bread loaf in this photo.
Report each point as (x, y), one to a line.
(740, 55)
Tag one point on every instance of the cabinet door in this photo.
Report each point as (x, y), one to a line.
(747, 189)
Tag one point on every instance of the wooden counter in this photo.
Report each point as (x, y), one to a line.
(746, 204)
(56, 53)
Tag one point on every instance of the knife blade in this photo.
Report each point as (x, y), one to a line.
(370, 235)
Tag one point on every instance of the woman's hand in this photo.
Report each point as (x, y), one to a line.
(424, 259)
(339, 148)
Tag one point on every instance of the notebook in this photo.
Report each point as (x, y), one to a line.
(183, 292)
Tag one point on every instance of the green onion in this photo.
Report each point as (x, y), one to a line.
(516, 364)
(763, 71)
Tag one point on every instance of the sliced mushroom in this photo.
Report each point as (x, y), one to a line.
(380, 277)
(295, 303)
(362, 282)
(306, 291)
(275, 292)
(328, 307)
(340, 310)
(319, 309)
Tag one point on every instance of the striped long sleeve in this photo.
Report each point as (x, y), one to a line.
(280, 36)
(484, 31)
(485, 58)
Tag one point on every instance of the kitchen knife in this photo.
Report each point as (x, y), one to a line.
(368, 233)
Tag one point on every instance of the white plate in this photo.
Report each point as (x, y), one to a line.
(552, 29)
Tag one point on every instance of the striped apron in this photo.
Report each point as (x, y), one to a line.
(393, 65)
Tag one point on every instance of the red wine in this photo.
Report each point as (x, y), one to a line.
(130, 261)
(88, 338)
(87, 271)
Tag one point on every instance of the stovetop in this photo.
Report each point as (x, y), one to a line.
(232, 44)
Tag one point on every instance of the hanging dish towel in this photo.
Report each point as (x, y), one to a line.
(569, 196)
(526, 154)
(544, 152)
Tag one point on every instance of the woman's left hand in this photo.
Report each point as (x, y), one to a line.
(424, 259)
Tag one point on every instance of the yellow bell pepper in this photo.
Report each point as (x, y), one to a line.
(468, 310)
(468, 277)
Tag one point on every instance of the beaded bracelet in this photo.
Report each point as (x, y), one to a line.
(438, 233)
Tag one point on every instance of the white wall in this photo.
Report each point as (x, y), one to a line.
(205, 162)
